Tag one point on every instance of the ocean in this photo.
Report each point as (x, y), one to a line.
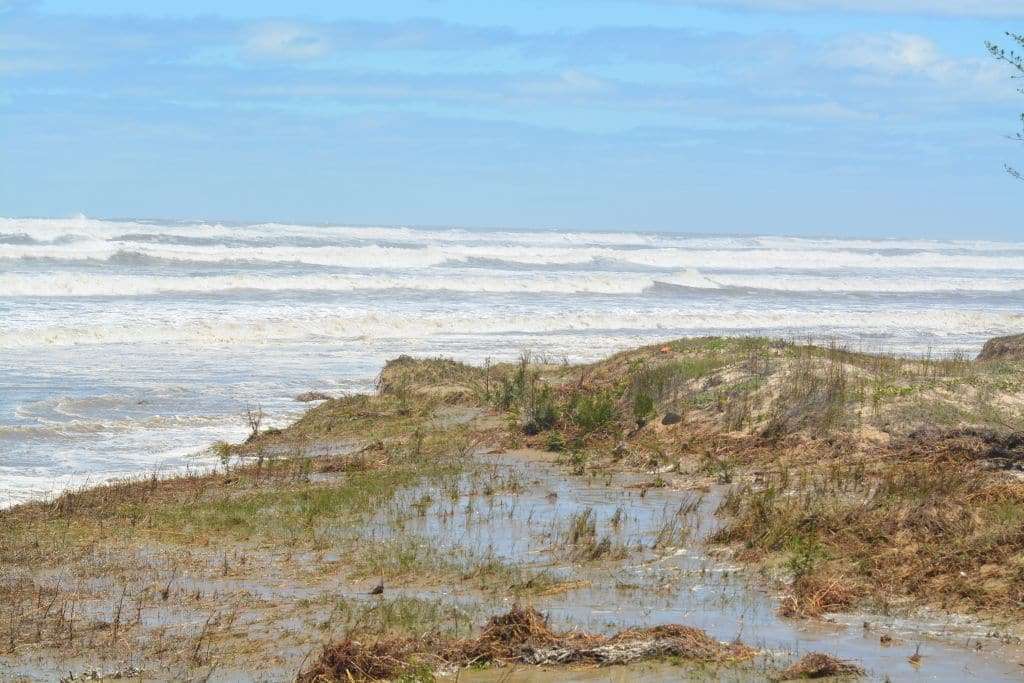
(128, 347)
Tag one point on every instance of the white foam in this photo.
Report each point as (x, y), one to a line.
(103, 240)
(330, 324)
(88, 284)
(55, 228)
(390, 257)
(101, 284)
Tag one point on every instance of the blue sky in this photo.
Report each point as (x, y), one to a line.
(853, 117)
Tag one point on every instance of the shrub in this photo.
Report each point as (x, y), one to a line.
(542, 412)
(804, 556)
(514, 389)
(812, 396)
(643, 408)
(593, 412)
(556, 442)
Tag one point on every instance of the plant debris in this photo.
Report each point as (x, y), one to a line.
(522, 636)
(818, 665)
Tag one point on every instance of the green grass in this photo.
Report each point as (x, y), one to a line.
(402, 616)
(298, 510)
(408, 558)
(289, 511)
(669, 381)
(594, 412)
(584, 544)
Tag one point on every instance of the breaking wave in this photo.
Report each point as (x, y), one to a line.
(309, 326)
(93, 284)
(129, 344)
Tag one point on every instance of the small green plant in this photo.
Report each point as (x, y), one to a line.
(643, 408)
(804, 556)
(541, 411)
(417, 674)
(556, 442)
(594, 412)
(514, 389)
(223, 451)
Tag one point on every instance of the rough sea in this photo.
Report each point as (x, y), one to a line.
(129, 346)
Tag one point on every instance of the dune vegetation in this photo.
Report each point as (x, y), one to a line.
(845, 480)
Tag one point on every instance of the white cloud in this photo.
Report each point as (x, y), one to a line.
(964, 8)
(288, 41)
(892, 56)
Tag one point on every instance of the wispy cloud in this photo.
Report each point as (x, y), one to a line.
(286, 41)
(890, 57)
(956, 8)
(623, 105)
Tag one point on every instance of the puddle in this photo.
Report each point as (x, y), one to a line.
(674, 585)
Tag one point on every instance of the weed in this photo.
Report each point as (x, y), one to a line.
(804, 556)
(811, 396)
(584, 542)
(595, 412)
(541, 411)
(556, 442)
(643, 408)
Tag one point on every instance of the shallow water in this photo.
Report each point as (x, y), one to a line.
(517, 507)
(682, 585)
(129, 346)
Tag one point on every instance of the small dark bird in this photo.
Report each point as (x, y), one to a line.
(379, 590)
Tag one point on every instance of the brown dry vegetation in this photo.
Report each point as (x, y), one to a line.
(818, 665)
(520, 636)
(863, 478)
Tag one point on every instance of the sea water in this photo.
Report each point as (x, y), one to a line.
(129, 346)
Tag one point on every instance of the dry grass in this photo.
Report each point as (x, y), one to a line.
(812, 595)
(522, 635)
(874, 473)
(934, 526)
(586, 545)
(360, 418)
(438, 378)
(818, 665)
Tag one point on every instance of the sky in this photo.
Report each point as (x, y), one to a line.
(801, 117)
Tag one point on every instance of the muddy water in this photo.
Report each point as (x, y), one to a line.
(520, 507)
